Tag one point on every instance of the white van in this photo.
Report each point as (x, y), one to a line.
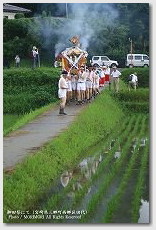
(137, 60)
(98, 61)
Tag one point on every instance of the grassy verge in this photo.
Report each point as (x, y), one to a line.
(13, 122)
(9, 120)
(31, 178)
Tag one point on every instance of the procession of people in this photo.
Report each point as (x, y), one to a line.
(82, 86)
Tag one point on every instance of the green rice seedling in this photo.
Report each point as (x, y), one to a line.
(113, 171)
(105, 162)
(137, 107)
(113, 203)
(54, 202)
(82, 192)
(140, 184)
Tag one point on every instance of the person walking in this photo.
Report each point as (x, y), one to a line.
(81, 86)
(89, 83)
(69, 90)
(115, 79)
(17, 61)
(133, 81)
(107, 74)
(74, 78)
(102, 78)
(96, 83)
(62, 91)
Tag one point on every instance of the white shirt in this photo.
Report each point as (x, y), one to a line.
(134, 78)
(102, 73)
(34, 53)
(17, 59)
(115, 73)
(90, 75)
(62, 83)
(82, 77)
(107, 71)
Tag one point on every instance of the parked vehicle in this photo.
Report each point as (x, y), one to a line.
(98, 61)
(137, 60)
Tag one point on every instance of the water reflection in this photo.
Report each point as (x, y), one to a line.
(136, 143)
(144, 212)
(65, 178)
(143, 141)
(82, 173)
(88, 166)
(117, 155)
(118, 152)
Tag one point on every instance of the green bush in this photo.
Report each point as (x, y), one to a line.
(134, 101)
(27, 89)
(140, 95)
(142, 73)
(19, 15)
(24, 103)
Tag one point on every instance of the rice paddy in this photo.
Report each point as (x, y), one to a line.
(107, 183)
(100, 187)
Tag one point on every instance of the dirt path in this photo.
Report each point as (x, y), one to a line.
(33, 135)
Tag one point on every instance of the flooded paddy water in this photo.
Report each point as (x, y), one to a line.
(101, 187)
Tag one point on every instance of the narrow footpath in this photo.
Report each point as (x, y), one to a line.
(32, 136)
(35, 134)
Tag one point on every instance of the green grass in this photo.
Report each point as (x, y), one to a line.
(133, 101)
(100, 120)
(13, 122)
(115, 200)
(41, 169)
(139, 189)
(10, 120)
(56, 202)
(113, 171)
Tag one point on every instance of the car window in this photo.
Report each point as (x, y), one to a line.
(130, 57)
(145, 57)
(95, 58)
(104, 59)
(138, 57)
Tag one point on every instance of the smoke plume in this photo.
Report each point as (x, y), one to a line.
(86, 20)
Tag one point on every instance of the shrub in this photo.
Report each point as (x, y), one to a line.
(140, 95)
(19, 15)
(27, 89)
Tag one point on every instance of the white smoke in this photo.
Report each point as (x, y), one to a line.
(85, 20)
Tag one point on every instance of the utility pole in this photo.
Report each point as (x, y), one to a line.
(66, 10)
(131, 48)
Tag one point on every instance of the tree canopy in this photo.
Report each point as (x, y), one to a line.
(45, 25)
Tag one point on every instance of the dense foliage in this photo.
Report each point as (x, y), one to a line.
(26, 89)
(112, 38)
